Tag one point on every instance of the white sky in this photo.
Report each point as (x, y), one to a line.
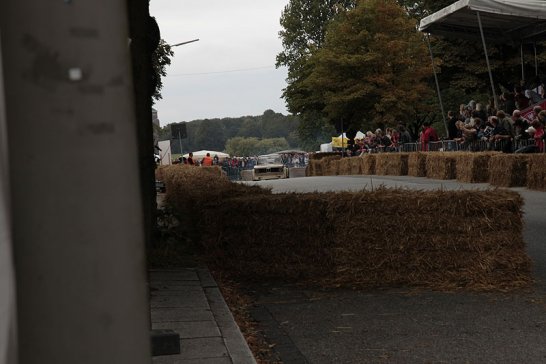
(204, 79)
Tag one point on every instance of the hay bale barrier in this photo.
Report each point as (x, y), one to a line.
(344, 167)
(330, 165)
(508, 170)
(417, 164)
(441, 165)
(472, 167)
(367, 164)
(356, 166)
(443, 240)
(536, 172)
(437, 239)
(391, 164)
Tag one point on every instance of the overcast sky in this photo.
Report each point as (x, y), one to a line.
(231, 71)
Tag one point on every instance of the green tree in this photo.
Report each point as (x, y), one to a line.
(160, 60)
(240, 146)
(372, 68)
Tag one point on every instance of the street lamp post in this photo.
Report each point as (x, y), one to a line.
(186, 42)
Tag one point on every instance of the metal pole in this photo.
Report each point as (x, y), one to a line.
(180, 143)
(437, 86)
(187, 42)
(536, 61)
(522, 63)
(487, 61)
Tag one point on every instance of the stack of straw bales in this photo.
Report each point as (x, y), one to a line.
(314, 168)
(344, 167)
(441, 165)
(356, 166)
(536, 173)
(472, 167)
(367, 164)
(392, 164)
(330, 165)
(436, 239)
(417, 164)
(508, 170)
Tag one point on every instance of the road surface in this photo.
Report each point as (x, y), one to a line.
(405, 325)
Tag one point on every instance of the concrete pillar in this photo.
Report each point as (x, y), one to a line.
(8, 344)
(76, 205)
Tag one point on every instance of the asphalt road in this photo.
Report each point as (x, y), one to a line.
(408, 326)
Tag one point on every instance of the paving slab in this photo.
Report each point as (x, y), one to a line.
(190, 329)
(178, 301)
(181, 314)
(199, 314)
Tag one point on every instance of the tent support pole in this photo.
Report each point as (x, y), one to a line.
(437, 85)
(487, 61)
(536, 61)
(522, 63)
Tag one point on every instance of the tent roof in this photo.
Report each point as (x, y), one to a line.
(503, 20)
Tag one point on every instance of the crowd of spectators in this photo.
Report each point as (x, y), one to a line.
(505, 129)
(474, 127)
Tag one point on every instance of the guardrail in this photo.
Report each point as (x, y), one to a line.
(508, 146)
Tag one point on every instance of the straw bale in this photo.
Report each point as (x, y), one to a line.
(417, 164)
(392, 164)
(508, 170)
(472, 167)
(441, 165)
(367, 164)
(330, 165)
(536, 172)
(315, 168)
(282, 237)
(356, 166)
(344, 167)
(437, 239)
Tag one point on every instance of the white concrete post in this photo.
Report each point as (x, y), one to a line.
(76, 203)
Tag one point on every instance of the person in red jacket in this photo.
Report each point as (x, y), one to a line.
(207, 161)
(428, 135)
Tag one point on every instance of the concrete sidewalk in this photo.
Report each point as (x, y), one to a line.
(189, 302)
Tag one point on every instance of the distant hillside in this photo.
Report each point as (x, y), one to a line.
(212, 134)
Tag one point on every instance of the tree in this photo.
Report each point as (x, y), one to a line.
(304, 27)
(371, 69)
(160, 60)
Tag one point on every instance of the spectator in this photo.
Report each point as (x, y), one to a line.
(207, 161)
(451, 125)
(505, 122)
(428, 135)
(520, 125)
(405, 136)
(522, 102)
(480, 112)
(500, 138)
(491, 109)
(190, 159)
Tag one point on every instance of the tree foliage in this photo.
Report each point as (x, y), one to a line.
(160, 60)
(371, 69)
(213, 134)
(240, 146)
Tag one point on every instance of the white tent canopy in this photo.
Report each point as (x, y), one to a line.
(200, 154)
(502, 20)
